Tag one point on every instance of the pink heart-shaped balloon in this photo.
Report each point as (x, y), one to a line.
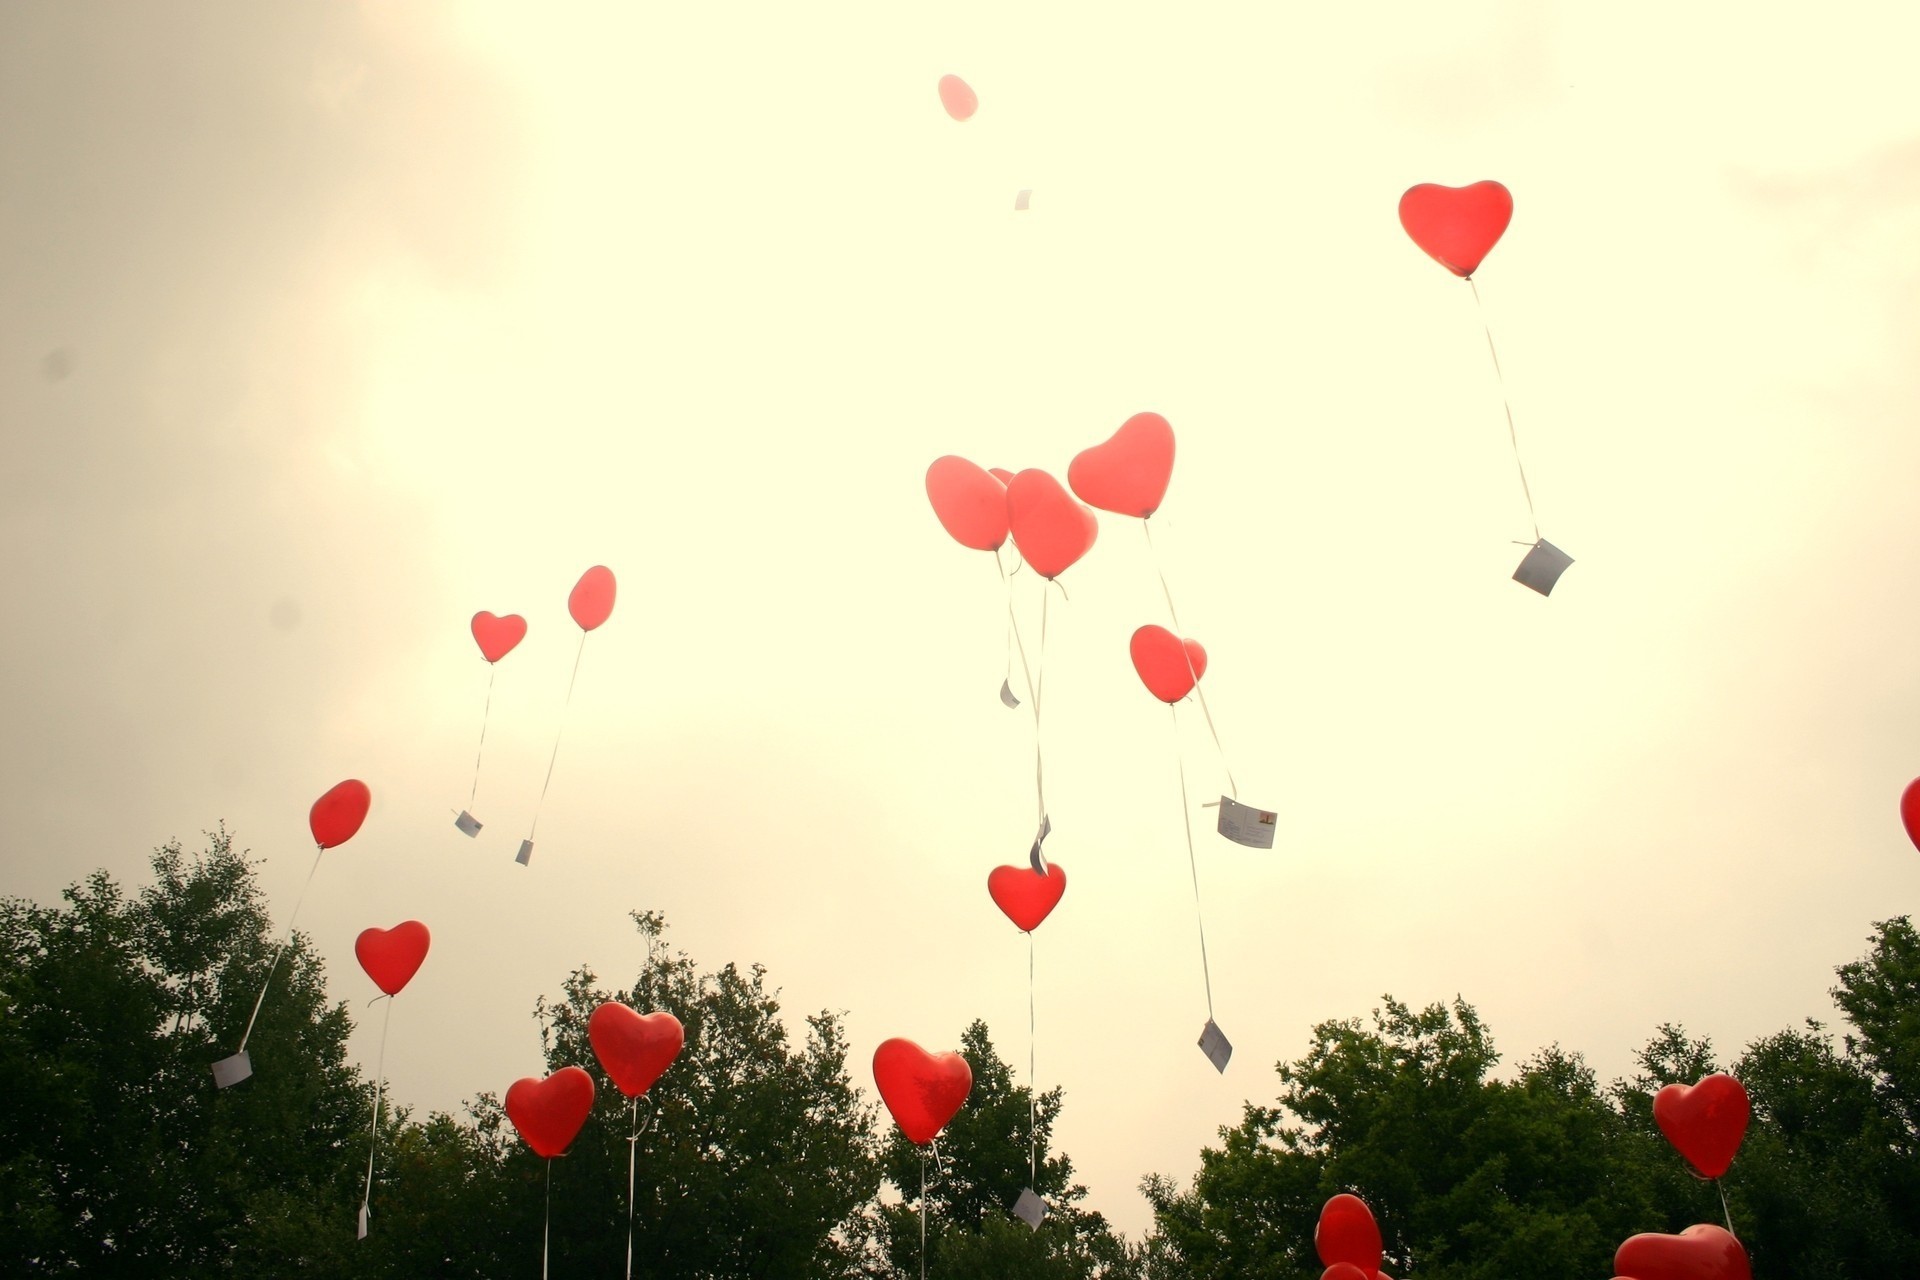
(591, 600)
(549, 1113)
(1051, 530)
(1347, 1233)
(336, 815)
(392, 956)
(1705, 1122)
(1168, 665)
(958, 97)
(498, 636)
(923, 1090)
(1128, 474)
(971, 503)
(634, 1048)
(1026, 896)
(1704, 1252)
(1456, 226)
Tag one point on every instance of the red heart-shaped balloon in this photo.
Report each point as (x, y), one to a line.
(971, 503)
(1347, 1233)
(1001, 474)
(392, 956)
(1705, 1122)
(336, 815)
(1026, 896)
(634, 1048)
(1128, 474)
(1346, 1271)
(1704, 1252)
(1910, 811)
(1051, 530)
(1456, 226)
(548, 1113)
(497, 636)
(1168, 665)
(957, 96)
(591, 601)
(923, 1090)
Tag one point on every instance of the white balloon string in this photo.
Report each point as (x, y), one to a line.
(923, 1215)
(1723, 1208)
(1199, 692)
(318, 849)
(379, 1088)
(491, 672)
(633, 1145)
(556, 736)
(546, 1229)
(1512, 436)
(1193, 865)
(1033, 1125)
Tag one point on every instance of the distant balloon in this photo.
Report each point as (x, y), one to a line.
(1051, 530)
(1910, 811)
(971, 503)
(1026, 896)
(1703, 1252)
(1456, 226)
(1128, 474)
(634, 1048)
(336, 815)
(1168, 665)
(498, 636)
(958, 98)
(392, 956)
(591, 602)
(1347, 1235)
(923, 1090)
(549, 1113)
(1705, 1122)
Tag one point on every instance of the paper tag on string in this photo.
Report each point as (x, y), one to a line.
(1244, 824)
(1006, 694)
(467, 823)
(525, 855)
(1020, 203)
(231, 1071)
(1213, 1043)
(1038, 859)
(1542, 567)
(1030, 1208)
(364, 1211)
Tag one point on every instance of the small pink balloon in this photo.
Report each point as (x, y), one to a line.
(958, 98)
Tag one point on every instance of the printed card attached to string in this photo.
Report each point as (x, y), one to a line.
(468, 824)
(1020, 204)
(1038, 859)
(1244, 824)
(1213, 1043)
(364, 1211)
(1030, 1208)
(231, 1071)
(525, 855)
(1006, 694)
(1542, 567)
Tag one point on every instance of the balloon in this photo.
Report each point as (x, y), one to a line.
(1347, 1233)
(1128, 474)
(592, 600)
(497, 636)
(1346, 1271)
(1704, 1252)
(336, 815)
(1001, 474)
(634, 1048)
(1910, 811)
(392, 956)
(1050, 529)
(548, 1113)
(959, 99)
(923, 1090)
(971, 503)
(1705, 1122)
(1026, 896)
(1168, 665)
(1456, 225)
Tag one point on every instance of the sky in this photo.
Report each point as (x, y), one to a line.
(329, 325)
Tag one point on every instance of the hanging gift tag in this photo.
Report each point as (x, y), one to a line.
(526, 853)
(1020, 203)
(364, 1211)
(1030, 1208)
(1038, 859)
(1244, 824)
(467, 823)
(1213, 1043)
(231, 1071)
(1006, 694)
(1542, 567)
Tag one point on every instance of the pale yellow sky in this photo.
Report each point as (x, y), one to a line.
(368, 319)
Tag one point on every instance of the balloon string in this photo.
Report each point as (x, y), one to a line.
(491, 672)
(248, 1033)
(546, 1229)
(923, 1215)
(1033, 696)
(1198, 692)
(1507, 404)
(1723, 1207)
(556, 736)
(633, 1145)
(1033, 1126)
(1186, 822)
(379, 1087)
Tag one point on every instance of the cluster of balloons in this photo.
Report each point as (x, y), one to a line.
(1348, 1240)
(634, 1050)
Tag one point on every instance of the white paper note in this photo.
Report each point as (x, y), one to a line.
(1038, 859)
(1542, 567)
(231, 1071)
(1006, 694)
(1244, 824)
(1213, 1043)
(1030, 1208)
(1020, 202)
(526, 853)
(467, 823)
(364, 1211)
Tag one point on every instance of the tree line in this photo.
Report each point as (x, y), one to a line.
(757, 1154)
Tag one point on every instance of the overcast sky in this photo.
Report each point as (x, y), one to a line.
(325, 326)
